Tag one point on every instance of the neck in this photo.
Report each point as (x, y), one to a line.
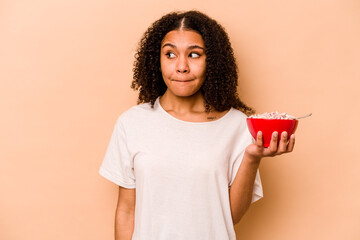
(171, 102)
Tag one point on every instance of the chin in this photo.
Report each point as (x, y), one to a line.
(184, 93)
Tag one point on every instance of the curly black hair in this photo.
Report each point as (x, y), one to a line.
(221, 78)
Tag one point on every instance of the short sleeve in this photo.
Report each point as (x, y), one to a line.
(236, 161)
(117, 165)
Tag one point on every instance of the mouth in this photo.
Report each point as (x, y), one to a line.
(183, 80)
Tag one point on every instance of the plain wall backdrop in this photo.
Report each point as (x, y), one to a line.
(65, 75)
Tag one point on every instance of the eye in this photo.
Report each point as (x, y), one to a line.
(194, 55)
(170, 54)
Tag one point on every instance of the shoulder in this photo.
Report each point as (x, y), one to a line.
(240, 127)
(136, 113)
(237, 121)
(237, 114)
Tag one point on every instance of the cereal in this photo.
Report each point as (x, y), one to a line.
(273, 115)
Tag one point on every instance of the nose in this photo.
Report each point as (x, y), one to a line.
(182, 65)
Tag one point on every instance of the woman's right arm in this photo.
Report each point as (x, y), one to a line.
(125, 214)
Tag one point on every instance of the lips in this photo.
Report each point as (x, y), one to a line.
(182, 80)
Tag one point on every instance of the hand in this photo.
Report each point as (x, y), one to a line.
(257, 151)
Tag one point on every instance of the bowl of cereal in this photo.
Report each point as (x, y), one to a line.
(268, 123)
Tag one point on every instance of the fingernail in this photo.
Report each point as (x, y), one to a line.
(293, 136)
(259, 133)
(284, 134)
(276, 134)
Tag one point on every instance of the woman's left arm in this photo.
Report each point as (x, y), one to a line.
(241, 190)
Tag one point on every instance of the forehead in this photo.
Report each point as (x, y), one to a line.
(183, 37)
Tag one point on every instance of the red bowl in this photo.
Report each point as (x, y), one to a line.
(268, 126)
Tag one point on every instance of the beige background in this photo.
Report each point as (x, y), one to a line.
(65, 72)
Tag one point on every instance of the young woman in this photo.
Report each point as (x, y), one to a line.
(184, 160)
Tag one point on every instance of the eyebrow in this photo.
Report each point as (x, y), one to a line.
(190, 47)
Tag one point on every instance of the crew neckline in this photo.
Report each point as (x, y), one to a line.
(157, 102)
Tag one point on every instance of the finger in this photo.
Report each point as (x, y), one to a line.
(291, 144)
(283, 143)
(273, 143)
(259, 139)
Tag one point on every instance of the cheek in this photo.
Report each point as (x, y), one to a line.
(201, 70)
(165, 73)
(165, 68)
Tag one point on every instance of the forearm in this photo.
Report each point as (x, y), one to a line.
(124, 225)
(241, 190)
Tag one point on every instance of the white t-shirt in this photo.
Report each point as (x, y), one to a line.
(181, 170)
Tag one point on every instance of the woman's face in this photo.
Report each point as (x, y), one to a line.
(183, 62)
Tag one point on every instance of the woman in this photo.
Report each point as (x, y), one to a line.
(184, 160)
